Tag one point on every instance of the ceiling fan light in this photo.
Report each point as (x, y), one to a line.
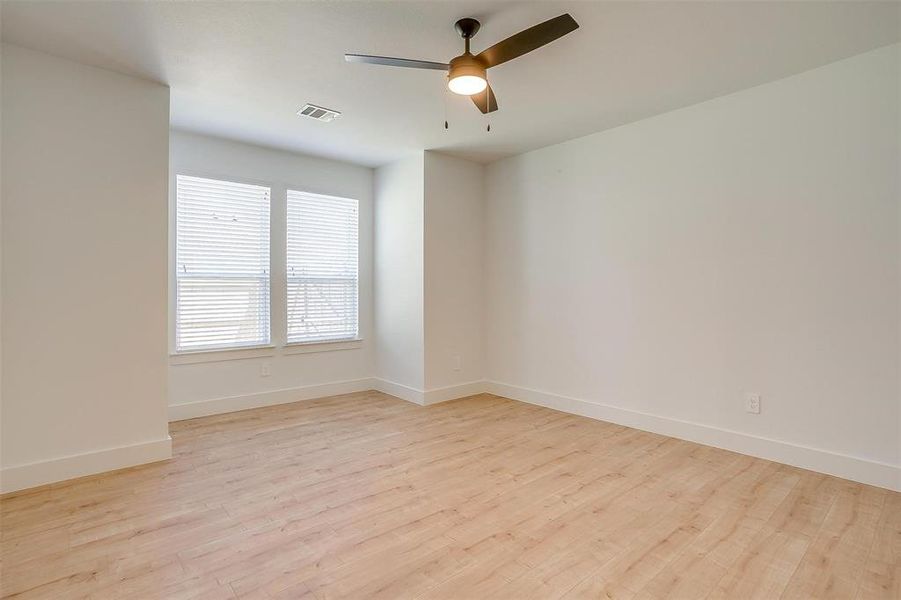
(466, 75)
(467, 85)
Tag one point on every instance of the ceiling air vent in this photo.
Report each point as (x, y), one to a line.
(319, 113)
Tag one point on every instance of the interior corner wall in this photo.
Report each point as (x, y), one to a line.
(429, 210)
(656, 273)
(398, 274)
(84, 162)
(454, 215)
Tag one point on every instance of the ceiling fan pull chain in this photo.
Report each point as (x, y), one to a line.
(445, 94)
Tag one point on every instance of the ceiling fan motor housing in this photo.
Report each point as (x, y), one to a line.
(466, 64)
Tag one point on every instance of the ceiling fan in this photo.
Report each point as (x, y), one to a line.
(466, 74)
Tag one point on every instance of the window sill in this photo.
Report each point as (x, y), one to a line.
(205, 356)
(226, 354)
(327, 346)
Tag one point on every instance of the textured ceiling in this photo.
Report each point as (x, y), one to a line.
(242, 69)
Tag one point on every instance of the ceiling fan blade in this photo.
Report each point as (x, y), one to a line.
(485, 100)
(396, 62)
(528, 40)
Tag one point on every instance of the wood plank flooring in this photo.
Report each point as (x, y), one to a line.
(367, 496)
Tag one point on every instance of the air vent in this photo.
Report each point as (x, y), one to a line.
(319, 113)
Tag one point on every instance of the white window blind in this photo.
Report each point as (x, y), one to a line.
(222, 264)
(322, 268)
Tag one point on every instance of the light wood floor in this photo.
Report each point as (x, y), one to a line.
(366, 496)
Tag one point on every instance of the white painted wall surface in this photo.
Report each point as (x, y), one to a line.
(746, 244)
(232, 380)
(399, 292)
(454, 216)
(85, 157)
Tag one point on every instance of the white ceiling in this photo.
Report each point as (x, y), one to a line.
(242, 69)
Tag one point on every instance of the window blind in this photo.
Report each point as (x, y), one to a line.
(222, 264)
(322, 277)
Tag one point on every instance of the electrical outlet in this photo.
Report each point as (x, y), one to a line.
(752, 403)
(265, 370)
(458, 363)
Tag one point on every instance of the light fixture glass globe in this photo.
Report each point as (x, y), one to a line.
(466, 85)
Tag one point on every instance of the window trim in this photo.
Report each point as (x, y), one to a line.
(323, 346)
(310, 343)
(222, 354)
(173, 261)
(278, 207)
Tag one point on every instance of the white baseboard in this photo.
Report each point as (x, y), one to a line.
(815, 459)
(452, 392)
(399, 390)
(216, 406)
(13, 479)
(427, 397)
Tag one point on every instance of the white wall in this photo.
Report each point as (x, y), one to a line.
(663, 269)
(453, 270)
(428, 273)
(85, 155)
(399, 221)
(223, 381)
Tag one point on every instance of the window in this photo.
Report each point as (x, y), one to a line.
(322, 268)
(221, 264)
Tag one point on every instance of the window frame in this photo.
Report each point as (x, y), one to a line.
(337, 343)
(278, 221)
(248, 351)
